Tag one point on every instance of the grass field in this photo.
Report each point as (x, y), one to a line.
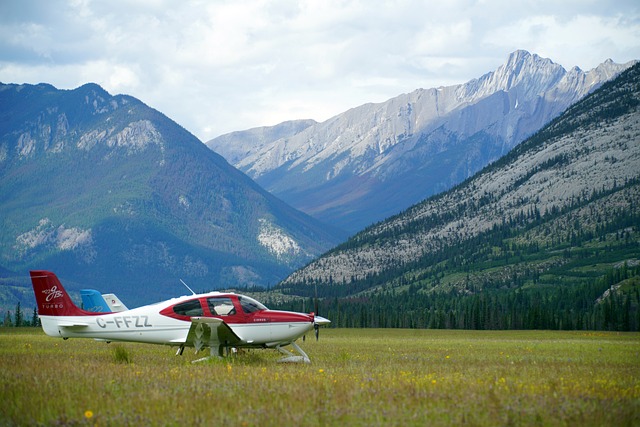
(357, 377)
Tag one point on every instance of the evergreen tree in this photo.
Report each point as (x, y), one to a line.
(18, 316)
(7, 319)
(35, 320)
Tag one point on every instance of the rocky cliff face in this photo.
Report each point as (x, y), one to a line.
(238, 145)
(377, 159)
(578, 176)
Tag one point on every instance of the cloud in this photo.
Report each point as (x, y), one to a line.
(580, 40)
(216, 67)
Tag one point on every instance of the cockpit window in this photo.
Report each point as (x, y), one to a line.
(249, 305)
(221, 306)
(188, 308)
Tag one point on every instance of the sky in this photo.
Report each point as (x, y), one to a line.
(220, 66)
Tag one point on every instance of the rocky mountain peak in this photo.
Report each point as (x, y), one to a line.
(575, 174)
(372, 161)
(528, 72)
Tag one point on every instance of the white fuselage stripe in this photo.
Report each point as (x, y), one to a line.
(148, 327)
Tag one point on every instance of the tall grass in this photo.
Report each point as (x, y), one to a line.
(357, 377)
(121, 354)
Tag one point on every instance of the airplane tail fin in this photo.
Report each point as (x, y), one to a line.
(93, 301)
(114, 303)
(51, 297)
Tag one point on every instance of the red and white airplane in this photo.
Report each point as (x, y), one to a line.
(220, 321)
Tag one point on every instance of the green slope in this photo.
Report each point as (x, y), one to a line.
(546, 237)
(110, 193)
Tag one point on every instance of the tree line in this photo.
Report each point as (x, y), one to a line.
(589, 305)
(18, 319)
(505, 278)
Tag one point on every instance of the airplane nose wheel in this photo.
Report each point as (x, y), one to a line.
(292, 358)
(316, 327)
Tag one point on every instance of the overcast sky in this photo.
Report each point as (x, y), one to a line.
(220, 66)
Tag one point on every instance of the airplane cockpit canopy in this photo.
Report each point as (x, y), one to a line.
(191, 308)
(249, 305)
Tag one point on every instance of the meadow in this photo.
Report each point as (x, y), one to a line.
(357, 377)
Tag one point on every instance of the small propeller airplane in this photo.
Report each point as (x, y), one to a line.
(220, 321)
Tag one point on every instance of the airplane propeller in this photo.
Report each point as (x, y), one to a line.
(316, 327)
(317, 320)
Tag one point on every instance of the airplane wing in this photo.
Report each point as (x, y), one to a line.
(211, 332)
(65, 324)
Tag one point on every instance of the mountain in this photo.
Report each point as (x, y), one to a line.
(375, 160)
(112, 194)
(548, 236)
(236, 146)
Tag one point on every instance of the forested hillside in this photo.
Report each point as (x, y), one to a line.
(546, 237)
(105, 190)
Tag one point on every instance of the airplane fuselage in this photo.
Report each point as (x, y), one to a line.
(215, 320)
(147, 325)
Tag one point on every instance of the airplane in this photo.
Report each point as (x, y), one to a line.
(93, 301)
(218, 320)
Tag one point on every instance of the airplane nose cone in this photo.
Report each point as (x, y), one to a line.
(319, 320)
